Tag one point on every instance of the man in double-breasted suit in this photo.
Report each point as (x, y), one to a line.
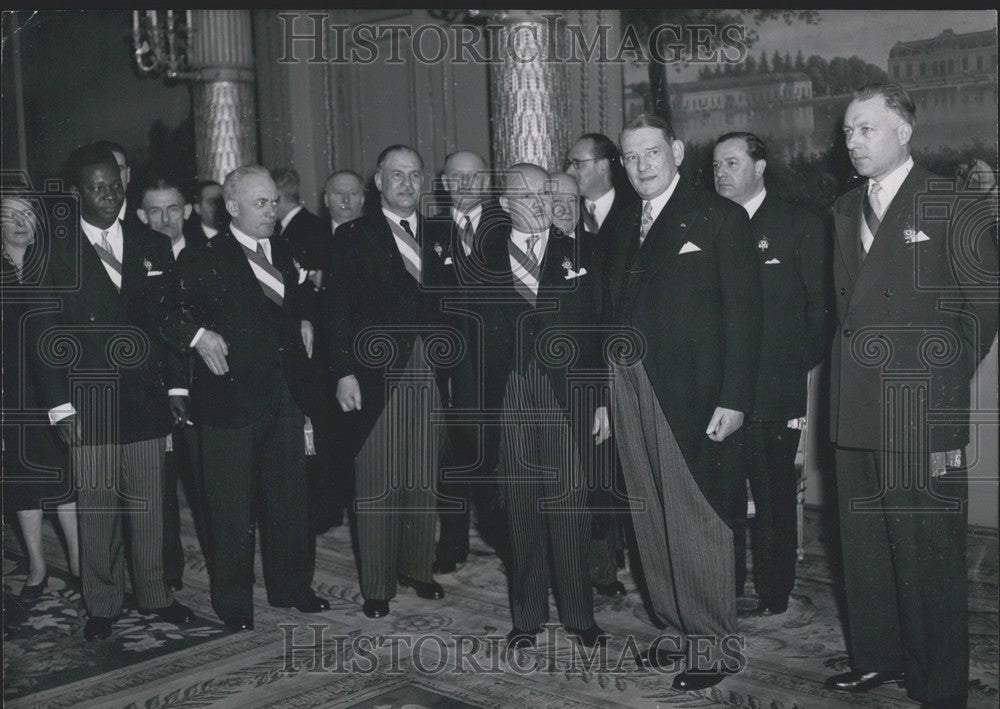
(109, 278)
(381, 326)
(791, 250)
(683, 276)
(915, 288)
(236, 302)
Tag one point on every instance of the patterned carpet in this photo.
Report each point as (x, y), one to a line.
(438, 653)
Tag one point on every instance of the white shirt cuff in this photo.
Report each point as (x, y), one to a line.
(58, 413)
(178, 392)
(197, 336)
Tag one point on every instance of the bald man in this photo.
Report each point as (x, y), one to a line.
(541, 290)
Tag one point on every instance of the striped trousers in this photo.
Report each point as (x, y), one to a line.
(115, 481)
(685, 547)
(395, 503)
(546, 498)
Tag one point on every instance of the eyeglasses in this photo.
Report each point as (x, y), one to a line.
(578, 162)
(652, 155)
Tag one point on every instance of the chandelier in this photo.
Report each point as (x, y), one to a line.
(161, 39)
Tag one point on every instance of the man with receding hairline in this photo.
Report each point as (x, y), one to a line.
(237, 303)
(900, 422)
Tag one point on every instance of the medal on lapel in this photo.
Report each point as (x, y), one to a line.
(763, 244)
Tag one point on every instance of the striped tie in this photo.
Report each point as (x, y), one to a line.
(647, 221)
(468, 235)
(871, 208)
(526, 277)
(111, 263)
(267, 275)
(409, 249)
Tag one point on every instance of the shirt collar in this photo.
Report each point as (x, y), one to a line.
(891, 183)
(178, 246)
(121, 212)
(93, 233)
(754, 204)
(602, 205)
(393, 217)
(520, 239)
(249, 241)
(209, 231)
(658, 203)
(473, 214)
(291, 215)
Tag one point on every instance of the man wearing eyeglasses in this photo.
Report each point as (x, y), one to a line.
(683, 277)
(593, 161)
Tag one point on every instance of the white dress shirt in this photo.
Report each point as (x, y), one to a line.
(602, 205)
(658, 203)
(753, 204)
(520, 239)
(474, 216)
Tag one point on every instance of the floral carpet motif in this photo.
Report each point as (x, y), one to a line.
(445, 653)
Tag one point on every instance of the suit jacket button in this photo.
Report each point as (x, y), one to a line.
(887, 292)
(847, 332)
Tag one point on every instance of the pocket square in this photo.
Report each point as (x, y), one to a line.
(154, 273)
(575, 274)
(771, 262)
(911, 238)
(448, 261)
(689, 248)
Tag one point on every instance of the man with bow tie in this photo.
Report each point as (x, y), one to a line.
(916, 286)
(237, 303)
(683, 276)
(382, 324)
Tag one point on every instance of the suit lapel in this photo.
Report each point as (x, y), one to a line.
(848, 223)
(670, 230)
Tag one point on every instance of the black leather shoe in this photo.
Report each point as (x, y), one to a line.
(522, 639)
(376, 609)
(314, 604)
(237, 625)
(862, 681)
(30, 594)
(444, 567)
(591, 637)
(424, 589)
(174, 613)
(615, 589)
(97, 627)
(688, 681)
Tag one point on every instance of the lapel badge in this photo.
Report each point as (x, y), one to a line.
(567, 264)
(909, 234)
(147, 264)
(437, 249)
(763, 244)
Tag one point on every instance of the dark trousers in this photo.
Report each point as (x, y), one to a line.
(182, 466)
(905, 570)
(254, 474)
(771, 447)
(546, 495)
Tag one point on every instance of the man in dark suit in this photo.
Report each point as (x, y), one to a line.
(127, 215)
(916, 312)
(110, 277)
(470, 457)
(683, 276)
(546, 292)
(791, 250)
(302, 229)
(594, 161)
(378, 321)
(237, 303)
(163, 209)
(208, 215)
(344, 197)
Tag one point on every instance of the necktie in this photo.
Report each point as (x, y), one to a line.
(647, 221)
(266, 274)
(408, 247)
(872, 210)
(111, 263)
(467, 235)
(590, 218)
(532, 256)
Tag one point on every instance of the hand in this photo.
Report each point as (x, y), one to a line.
(70, 431)
(178, 410)
(602, 427)
(349, 393)
(213, 350)
(724, 422)
(316, 277)
(307, 337)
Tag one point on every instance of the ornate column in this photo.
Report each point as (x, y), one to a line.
(528, 94)
(225, 121)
